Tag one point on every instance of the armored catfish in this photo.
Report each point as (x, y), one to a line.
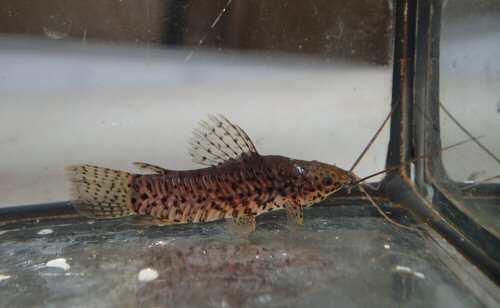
(237, 184)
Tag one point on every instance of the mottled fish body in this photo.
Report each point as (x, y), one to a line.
(238, 185)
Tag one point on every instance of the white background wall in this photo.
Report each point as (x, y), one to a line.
(68, 103)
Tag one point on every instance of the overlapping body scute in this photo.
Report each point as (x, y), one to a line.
(235, 188)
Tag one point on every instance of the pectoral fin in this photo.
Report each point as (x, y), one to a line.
(295, 215)
(242, 224)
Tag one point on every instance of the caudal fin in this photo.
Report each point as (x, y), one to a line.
(100, 192)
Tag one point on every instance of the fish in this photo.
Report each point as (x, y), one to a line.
(236, 184)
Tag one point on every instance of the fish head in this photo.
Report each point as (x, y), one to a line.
(321, 180)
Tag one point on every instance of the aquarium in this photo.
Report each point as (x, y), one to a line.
(412, 86)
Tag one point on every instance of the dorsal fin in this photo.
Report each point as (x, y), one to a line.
(218, 140)
(152, 168)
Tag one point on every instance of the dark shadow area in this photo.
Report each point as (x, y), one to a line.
(357, 31)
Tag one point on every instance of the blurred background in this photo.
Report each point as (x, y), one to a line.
(116, 81)
(470, 86)
(356, 31)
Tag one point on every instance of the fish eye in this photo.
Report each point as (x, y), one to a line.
(328, 181)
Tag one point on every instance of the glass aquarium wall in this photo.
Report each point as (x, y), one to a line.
(470, 106)
(113, 82)
(470, 86)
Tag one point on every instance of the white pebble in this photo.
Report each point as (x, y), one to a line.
(387, 246)
(147, 274)
(45, 231)
(408, 270)
(59, 263)
(265, 298)
(4, 277)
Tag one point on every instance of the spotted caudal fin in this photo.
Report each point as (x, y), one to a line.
(100, 192)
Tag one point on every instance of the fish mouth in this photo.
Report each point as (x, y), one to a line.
(352, 183)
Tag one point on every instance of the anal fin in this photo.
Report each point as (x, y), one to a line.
(152, 168)
(242, 224)
(148, 220)
(295, 216)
